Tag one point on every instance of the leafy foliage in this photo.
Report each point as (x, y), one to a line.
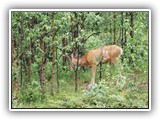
(123, 86)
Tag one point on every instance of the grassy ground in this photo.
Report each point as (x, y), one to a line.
(119, 88)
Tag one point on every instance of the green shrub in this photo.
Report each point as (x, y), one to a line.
(32, 93)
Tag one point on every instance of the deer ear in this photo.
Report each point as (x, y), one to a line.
(76, 56)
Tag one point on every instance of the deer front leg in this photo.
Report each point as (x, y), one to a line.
(114, 61)
(93, 74)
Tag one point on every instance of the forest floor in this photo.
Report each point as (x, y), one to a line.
(116, 91)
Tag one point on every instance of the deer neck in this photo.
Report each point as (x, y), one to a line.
(81, 61)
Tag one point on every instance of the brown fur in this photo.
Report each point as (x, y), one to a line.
(93, 57)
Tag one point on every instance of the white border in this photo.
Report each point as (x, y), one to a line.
(67, 10)
(150, 60)
(10, 99)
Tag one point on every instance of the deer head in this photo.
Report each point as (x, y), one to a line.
(72, 61)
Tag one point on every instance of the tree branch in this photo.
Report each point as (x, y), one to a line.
(90, 36)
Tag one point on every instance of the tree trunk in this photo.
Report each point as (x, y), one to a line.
(22, 38)
(122, 31)
(64, 43)
(114, 29)
(43, 69)
(77, 48)
(57, 70)
(110, 29)
(125, 32)
(131, 34)
(14, 71)
(29, 66)
(82, 19)
(132, 30)
(53, 55)
(76, 71)
(100, 70)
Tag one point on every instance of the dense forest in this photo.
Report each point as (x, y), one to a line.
(42, 44)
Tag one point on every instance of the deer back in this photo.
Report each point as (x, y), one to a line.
(112, 52)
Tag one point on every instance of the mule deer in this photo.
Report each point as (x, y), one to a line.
(93, 57)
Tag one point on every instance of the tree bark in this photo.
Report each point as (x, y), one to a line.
(122, 42)
(125, 32)
(14, 70)
(131, 33)
(53, 55)
(57, 79)
(77, 47)
(131, 24)
(76, 71)
(122, 32)
(110, 29)
(22, 38)
(114, 29)
(64, 43)
(43, 69)
(29, 66)
(100, 70)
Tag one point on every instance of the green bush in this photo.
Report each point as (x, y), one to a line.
(96, 95)
(32, 93)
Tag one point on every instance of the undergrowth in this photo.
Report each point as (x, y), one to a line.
(115, 90)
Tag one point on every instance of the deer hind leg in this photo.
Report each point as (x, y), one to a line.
(93, 74)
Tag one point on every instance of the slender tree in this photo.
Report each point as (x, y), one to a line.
(110, 28)
(42, 68)
(114, 29)
(77, 47)
(14, 69)
(125, 31)
(76, 71)
(57, 78)
(22, 38)
(122, 31)
(100, 70)
(131, 33)
(131, 24)
(53, 54)
(64, 43)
